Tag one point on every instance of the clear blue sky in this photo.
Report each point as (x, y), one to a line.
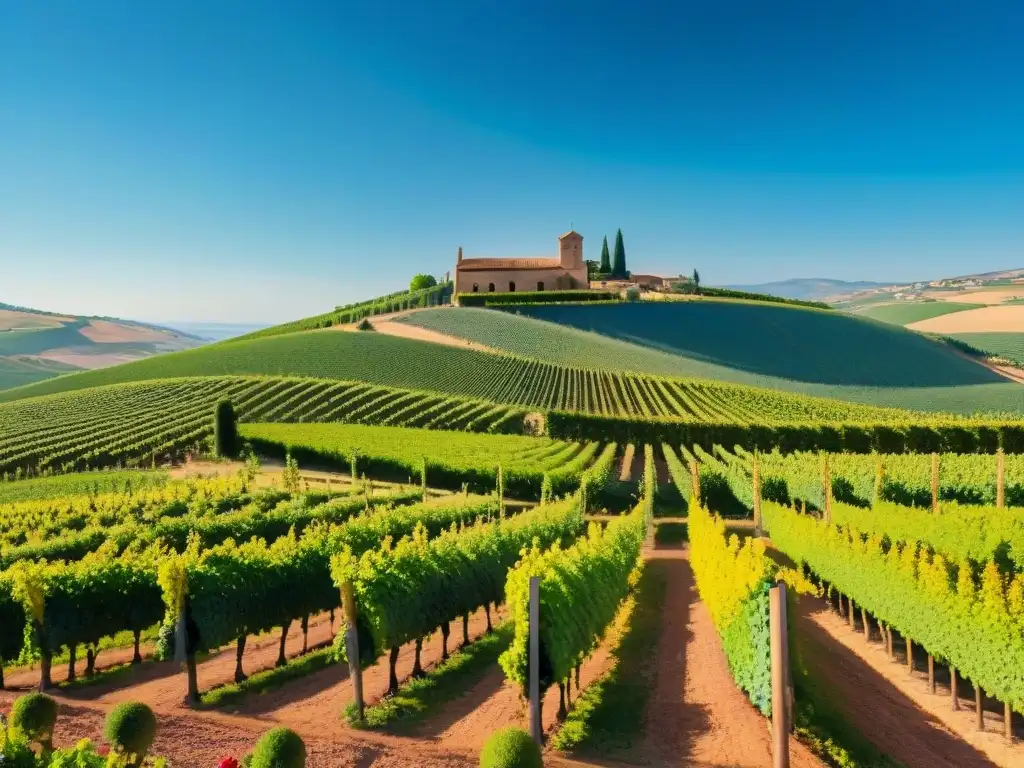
(238, 161)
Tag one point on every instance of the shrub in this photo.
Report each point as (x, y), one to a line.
(365, 325)
(131, 729)
(34, 716)
(419, 282)
(279, 748)
(511, 748)
(225, 430)
(632, 293)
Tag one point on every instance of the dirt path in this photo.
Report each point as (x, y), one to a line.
(696, 714)
(389, 325)
(892, 708)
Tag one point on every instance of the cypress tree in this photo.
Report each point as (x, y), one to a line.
(619, 262)
(606, 262)
(225, 430)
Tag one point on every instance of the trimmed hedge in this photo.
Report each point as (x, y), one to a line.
(533, 297)
(939, 437)
(727, 293)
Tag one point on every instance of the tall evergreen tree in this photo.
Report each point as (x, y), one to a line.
(606, 260)
(619, 261)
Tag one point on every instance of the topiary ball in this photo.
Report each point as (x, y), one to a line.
(279, 748)
(511, 748)
(34, 715)
(131, 729)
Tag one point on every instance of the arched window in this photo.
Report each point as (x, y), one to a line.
(476, 287)
(540, 286)
(490, 287)
(511, 287)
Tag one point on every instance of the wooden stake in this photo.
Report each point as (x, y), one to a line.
(780, 676)
(1008, 722)
(757, 498)
(536, 730)
(694, 483)
(910, 656)
(853, 619)
(935, 482)
(1000, 479)
(979, 713)
(867, 625)
(355, 669)
(827, 483)
(931, 674)
(953, 692)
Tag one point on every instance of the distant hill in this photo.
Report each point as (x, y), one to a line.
(37, 345)
(809, 288)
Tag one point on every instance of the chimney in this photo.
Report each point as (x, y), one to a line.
(460, 255)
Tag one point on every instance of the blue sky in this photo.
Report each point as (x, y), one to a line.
(253, 161)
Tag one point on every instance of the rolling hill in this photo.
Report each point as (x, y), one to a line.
(827, 354)
(809, 288)
(36, 345)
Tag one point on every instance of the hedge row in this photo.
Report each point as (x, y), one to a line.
(935, 437)
(727, 293)
(533, 297)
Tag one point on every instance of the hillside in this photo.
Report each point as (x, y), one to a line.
(36, 345)
(778, 347)
(809, 288)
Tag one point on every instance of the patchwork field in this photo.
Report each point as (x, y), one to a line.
(992, 319)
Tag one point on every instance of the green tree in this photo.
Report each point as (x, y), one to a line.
(619, 261)
(606, 263)
(696, 281)
(225, 430)
(419, 282)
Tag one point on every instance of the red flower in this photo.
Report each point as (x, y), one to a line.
(227, 762)
(103, 750)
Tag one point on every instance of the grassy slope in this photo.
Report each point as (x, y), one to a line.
(1008, 345)
(783, 348)
(17, 373)
(906, 313)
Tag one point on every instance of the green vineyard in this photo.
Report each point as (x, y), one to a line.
(155, 420)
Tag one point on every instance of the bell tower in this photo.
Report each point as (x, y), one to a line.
(570, 250)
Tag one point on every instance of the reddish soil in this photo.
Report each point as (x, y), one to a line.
(891, 706)
(696, 714)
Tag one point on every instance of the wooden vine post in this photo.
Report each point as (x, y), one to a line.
(1000, 479)
(935, 482)
(694, 483)
(781, 705)
(826, 477)
(757, 497)
(536, 731)
(355, 669)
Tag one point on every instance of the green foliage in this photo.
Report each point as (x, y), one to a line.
(421, 281)
(606, 262)
(619, 259)
(511, 748)
(733, 580)
(972, 621)
(131, 730)
(632, 293)
(406, 590)
(225, 430)
(452, 459)
(608, 719)
(34, 715)
(581, 589)
(279, 748)
(365, 325)
(270, 679)
(1008, 346)
(82, 483)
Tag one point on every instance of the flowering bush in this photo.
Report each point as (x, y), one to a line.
(227, 762)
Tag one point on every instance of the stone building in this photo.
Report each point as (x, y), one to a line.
(567, 271)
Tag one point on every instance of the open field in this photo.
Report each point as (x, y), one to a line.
(1005, 345)
(994, 319)
(907, 312)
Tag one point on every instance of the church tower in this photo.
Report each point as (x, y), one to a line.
(570, 250)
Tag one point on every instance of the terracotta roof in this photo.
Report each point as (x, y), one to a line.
(570, 232)
(482, 264)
